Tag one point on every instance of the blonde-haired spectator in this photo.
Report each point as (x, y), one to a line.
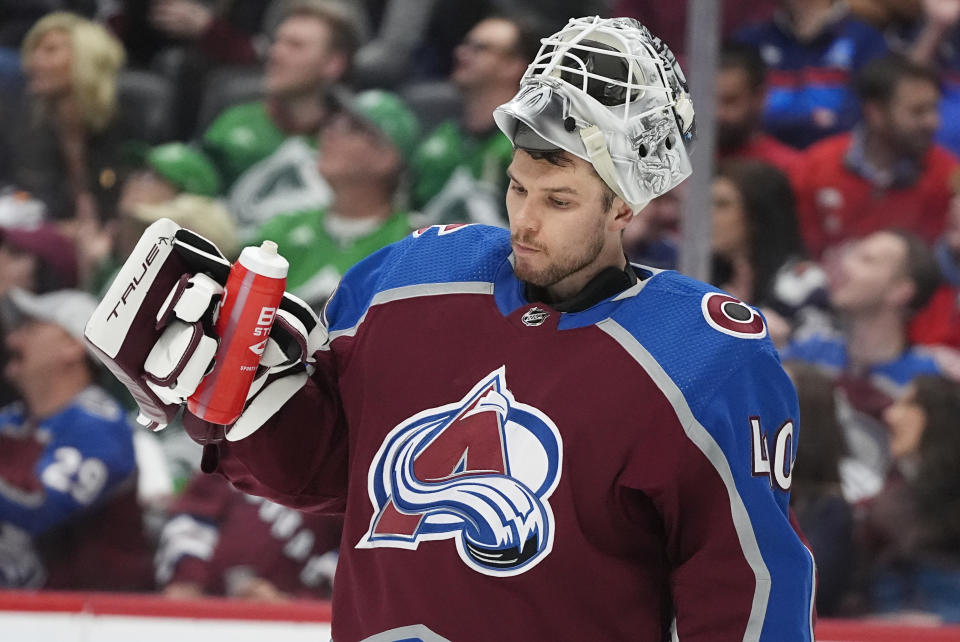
(63, 41)
(62, 140)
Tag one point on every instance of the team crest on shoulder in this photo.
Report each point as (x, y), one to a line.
(732, 316)
(479, 471)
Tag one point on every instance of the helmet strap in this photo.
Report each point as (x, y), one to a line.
(596, 145)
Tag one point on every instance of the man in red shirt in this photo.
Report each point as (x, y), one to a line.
(887, 172)
(741, 96)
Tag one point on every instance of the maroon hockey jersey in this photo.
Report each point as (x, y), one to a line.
(511, 472)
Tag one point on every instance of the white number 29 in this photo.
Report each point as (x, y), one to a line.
(779, 470)
(71, 473)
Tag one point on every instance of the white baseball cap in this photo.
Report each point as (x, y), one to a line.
(69, 309)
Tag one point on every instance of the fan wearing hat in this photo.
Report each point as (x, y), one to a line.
(155, 176)
(183, 168)
(39, 259)
(158, 174)
(67, 464)
(366, 147)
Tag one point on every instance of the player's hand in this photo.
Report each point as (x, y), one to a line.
(184, 353)
(155, 330)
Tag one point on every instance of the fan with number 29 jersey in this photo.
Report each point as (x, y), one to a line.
(511, 472)
(68, 483)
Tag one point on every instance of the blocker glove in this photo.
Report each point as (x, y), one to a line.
(154, 329)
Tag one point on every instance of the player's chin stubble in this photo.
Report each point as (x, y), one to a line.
(555, 271)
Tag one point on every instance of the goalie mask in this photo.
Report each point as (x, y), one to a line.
(610, 92)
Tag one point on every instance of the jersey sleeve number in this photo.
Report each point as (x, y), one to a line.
(70, 473)
(779, 469)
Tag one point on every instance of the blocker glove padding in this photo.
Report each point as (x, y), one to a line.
(154, 330)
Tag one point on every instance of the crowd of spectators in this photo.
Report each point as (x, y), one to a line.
(335, 128)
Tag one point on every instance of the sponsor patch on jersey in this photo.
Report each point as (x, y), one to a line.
(732, 316)
(479, 471)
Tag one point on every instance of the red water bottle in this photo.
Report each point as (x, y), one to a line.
(251, 298)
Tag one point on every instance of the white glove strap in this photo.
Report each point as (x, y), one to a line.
(178, 361)
(265, 404)
(190, 299)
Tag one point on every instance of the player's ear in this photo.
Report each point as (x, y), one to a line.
(622, 214)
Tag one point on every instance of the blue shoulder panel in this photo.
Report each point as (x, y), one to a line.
(687, 325)
(711, 356)
(436, 255)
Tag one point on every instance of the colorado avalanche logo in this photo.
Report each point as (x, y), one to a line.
(479, 471)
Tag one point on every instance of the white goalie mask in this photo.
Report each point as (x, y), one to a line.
(610, 92)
